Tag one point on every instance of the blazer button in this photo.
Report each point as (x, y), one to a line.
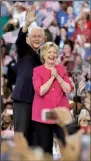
(53, 99)
(52, 89)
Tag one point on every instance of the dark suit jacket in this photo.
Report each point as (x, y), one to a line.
(27, 60)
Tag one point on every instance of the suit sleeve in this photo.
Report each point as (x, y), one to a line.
(37, 81)
(21, 43)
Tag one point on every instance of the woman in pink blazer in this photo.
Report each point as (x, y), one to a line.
(51, 84)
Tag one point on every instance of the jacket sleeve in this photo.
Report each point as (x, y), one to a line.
(37, 81)
(21, 43)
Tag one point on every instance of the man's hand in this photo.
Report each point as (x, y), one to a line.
(30, 15)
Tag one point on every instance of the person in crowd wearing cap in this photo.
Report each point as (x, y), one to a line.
(28, 44)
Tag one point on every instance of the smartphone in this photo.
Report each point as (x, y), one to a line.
(48, 114)
(9, 112)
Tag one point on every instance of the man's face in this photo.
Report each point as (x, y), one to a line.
(36, 38)
(64, 6)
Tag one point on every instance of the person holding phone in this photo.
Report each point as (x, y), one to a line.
(51, 84)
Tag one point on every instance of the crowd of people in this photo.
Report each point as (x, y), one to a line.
(45, 79)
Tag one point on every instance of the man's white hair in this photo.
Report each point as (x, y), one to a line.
(31, 27)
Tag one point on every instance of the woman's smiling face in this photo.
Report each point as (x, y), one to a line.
(50, 56)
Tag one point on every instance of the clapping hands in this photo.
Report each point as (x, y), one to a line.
(54, 73)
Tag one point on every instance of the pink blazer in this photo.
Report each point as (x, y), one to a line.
(55, 97)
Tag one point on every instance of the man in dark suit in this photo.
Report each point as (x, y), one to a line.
(28, 44)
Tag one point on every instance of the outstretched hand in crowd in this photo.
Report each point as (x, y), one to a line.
(71, 150)
(21, 151)
(63, 116)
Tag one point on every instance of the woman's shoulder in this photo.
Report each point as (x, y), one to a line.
(39, 68)
(61, 67)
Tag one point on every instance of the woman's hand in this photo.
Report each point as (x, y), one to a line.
(54, 72)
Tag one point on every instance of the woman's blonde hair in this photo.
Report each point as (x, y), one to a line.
(45, 47)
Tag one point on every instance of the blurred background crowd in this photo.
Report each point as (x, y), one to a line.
(68, 24)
